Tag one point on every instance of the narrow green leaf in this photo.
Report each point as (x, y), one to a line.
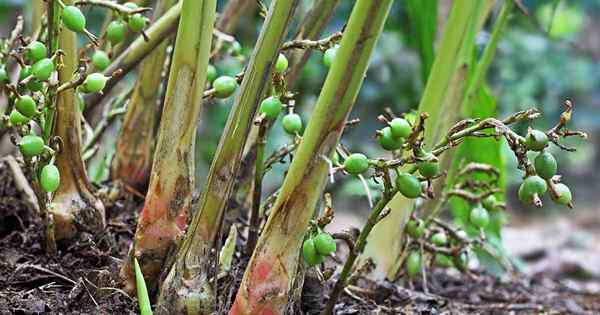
(423, 20)
(142, 291)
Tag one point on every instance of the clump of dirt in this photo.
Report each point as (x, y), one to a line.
(82, 279)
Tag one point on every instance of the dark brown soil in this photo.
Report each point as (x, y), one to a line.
(82, 278)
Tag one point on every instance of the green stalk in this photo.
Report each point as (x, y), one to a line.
(257, 189)
(270, 273)
(311, 27)
(359, 246)
(169, 196)
(133, 157)
(74, 207)
(190, 272)
(385, 241)
(158, 32)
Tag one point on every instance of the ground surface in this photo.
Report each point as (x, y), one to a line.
(81, 279)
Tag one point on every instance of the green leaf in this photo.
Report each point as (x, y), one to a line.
(423, 21)
(142, 291)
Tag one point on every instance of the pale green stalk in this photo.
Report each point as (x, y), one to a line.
(168, 201)
(187, 289)
(133, 157)
(269, 277)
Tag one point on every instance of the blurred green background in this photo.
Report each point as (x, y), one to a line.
(542, 59)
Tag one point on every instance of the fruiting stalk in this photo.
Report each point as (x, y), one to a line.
(311, 27)
(169, 196)
(136, 52)
(270, 274)
(74, 207)
(187, 288)
(133, 157)
(385, 241)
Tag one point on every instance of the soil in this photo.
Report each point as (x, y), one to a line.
(82, 278)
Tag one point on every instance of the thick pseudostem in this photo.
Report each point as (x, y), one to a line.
(188, 288)
(133, 156)
(270, 273)
(74, 207)
(169, 196)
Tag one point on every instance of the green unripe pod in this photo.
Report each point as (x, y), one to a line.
(224, 86)
(388, 141)
(479, 217)
(356, 164)
(325, 244)
(282, 64)
(73, 19)
(271, 107)
(137, 22)
(17, 118)
(35, 51)
(536, 140)
(400, 128)
(531, 186)
(24, 73)
(211, 73)
(545, 165)
(408, 185)
(443, 261)
(94, 83)
(26, 105)
(439, 239)
(564, 194)
(329, 56)
(461, 262)
(100, 60)
(489, 202)
(3, 74)
(42, 70)
(50, 178)
(115, 32)
(415, 228)
(34, 85)
(429, 168)
(31, 145)
(413, 263)
(310, 254)
(292, 123)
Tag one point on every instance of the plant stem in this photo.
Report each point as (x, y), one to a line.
(271, 270)
(359, 246)
(169, 196)
(190, 273)
(74, 207)
(158, 32)
(259, 164)
(133, 157)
